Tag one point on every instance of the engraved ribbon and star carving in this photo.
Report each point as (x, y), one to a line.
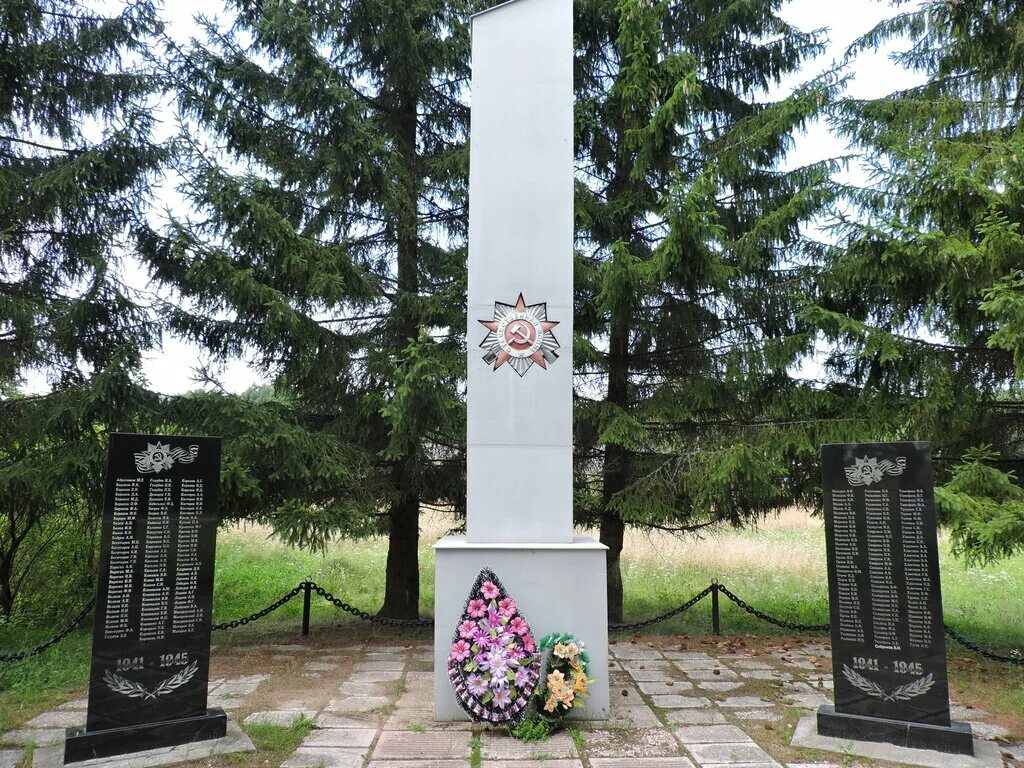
(159, 456)
(521, 335)
(869, 470)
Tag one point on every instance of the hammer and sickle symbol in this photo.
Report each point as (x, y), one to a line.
(522, 335)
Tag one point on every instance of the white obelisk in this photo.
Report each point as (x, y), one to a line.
(519, 481)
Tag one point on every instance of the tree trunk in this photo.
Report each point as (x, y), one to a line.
(615, 471)
(402, 581)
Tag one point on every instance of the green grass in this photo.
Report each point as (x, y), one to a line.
(279, 741)
(985, 604)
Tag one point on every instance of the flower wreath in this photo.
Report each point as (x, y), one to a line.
(493, 664)
(567, 680)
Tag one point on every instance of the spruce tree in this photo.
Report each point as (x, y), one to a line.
(76, 159)
(324, 157)
(921, 299)
(691, 257)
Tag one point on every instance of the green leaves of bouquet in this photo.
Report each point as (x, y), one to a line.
(566, 682)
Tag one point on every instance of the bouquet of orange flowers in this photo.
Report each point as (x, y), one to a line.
(566, 681)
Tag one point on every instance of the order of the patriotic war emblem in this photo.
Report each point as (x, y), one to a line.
(520, 335)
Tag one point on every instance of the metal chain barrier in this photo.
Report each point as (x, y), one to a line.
(765, 617)
(259, 614)
(360, 614)
(665, 616)
(1018, 659)
(19, 655)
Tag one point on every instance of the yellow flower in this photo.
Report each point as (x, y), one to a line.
(579, 684)
(566, 651)
(556, 677)
(550, 704)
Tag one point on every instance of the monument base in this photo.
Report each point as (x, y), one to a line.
(559, 587)
(80, 744)
(956, 739)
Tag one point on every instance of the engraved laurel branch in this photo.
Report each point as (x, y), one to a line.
(134, 690)
(903, 693)
(869, 470)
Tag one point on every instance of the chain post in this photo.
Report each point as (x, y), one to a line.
(307, 590)
(716, 618)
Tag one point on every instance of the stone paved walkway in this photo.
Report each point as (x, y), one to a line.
(672, 707)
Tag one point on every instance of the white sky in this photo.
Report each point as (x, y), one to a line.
(171, 370)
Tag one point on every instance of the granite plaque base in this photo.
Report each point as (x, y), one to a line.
(956, 739)
(81, 745)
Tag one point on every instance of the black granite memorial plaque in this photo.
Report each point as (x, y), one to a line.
(151, 638)
(888, 641)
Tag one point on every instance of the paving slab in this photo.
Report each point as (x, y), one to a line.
(632, 717)
(988, 731)
(757, 714)
(75, 704)
(715, 673)
(324, 757)
(351, 704)
(809, 701)
(419, 764)
(320, 666)
(729, 754)
(364, 689)
(653, 675)
(643, 665)
(328, 720)
(709, 716)
(634, 651)
(750, 663)
(59, 719)
(690, 656)
(641, 762)
(9, 758)
(234, 741)
(283, 718)
(410, 745)
(502, 747)
(690, 665)
(375, 677)
(663, 687)
(380, 666)
(678, 701)
(744, 702)
(653, 742)
(765, 674)
(719, 687)
(527, 764)
(40, 737)
(340, 737)
(986, 753)
(711, 734)
(744, 764)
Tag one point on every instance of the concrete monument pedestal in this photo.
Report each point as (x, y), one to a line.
(559, 586)
(520, 333)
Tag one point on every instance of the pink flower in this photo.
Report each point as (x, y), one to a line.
(466, 630)
(501, 699)
(528, 644)
(476, 684)
(489, 590)
(519, 626)
(523, 677)
(508, 607)
(460, 651)
(477, 609)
